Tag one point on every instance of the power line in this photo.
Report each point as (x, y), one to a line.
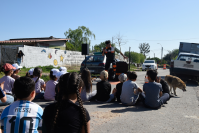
(155, 40)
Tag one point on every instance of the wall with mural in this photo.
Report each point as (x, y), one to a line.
(37, 56)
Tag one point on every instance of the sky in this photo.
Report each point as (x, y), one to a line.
(161, 23)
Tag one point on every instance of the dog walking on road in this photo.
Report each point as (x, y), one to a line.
(175, 82)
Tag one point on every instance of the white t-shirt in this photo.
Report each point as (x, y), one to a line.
(38, 84)
(49, 93)
(127, 96)
(9, 83)
(22, 117)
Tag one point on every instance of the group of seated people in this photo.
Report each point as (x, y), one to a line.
(67, 89)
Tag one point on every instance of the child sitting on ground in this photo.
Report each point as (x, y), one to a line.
(122, 78)
(30, 73)
(86, 93)
(153, 97)
(65, 115)
(49, 93)
(165, 87)
(104, 89)
(16, 71)
(130, 90)
(22, 115)
(39, 83)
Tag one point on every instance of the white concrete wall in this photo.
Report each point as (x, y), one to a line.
(37, 56)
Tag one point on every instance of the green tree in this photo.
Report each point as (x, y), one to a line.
(171, 55)
(135, 57)
(144, 48)
(156, 59)
(99, 47)
(79, 36)
(69, 46)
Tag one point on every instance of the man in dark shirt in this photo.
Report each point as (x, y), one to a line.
(109, 51)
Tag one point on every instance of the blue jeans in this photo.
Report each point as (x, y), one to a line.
(10, 99)
(39, 96)
(19, 61)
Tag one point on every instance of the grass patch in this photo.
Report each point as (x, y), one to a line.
(45, 70)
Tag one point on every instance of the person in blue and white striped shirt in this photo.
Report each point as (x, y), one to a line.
(22, 116)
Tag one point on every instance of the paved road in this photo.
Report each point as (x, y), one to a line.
(181, 114)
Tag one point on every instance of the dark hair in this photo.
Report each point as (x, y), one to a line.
(52, 77)
(69, 83)
(23, 87)
(132, 75)
(21, 52)
(37, 71)
(86, 77)
(152, 74)
(107, 42)
(28, 75)
(4, 71)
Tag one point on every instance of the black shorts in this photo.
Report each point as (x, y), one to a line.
(107, 65)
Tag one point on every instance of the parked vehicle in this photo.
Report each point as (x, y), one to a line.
(95, 63)
(187, 62)
(149, 64)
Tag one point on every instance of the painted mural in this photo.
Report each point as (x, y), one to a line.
(37, 56)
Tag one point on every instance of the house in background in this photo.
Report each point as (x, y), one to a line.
(47, 42)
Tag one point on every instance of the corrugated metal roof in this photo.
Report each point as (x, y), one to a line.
(28, 41)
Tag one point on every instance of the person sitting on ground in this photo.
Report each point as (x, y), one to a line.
(65, 115)
(104, 89)
(30, 73)
(3, 98)
(86, 93)
(165, 87)
(122, 78)
(39, 83)
(9, 82)
(63, 69)
(49, 93)
(16, 71)
(22, 116)
(130, 90)
(153, 96)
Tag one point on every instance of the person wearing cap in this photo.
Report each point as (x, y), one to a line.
(30, 73)
(49, 93)
(9, 81)
(122, 78)
(63, 69)
(60, 74)
(16, 71)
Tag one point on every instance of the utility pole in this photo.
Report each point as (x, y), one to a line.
(92, 48)
(112, 40)
(129, 58)
(154, 55)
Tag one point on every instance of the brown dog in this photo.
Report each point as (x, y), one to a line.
(174, 82)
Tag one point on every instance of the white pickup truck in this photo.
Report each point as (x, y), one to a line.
(149, 64)
(186, 64)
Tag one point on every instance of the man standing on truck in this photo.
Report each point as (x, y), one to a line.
(109, 51)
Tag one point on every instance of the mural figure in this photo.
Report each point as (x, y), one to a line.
(65, 52)
(56, 51)
(61, 58)
(43, 50)
(49, 56)
(55, 62)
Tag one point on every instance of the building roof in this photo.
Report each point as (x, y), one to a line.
(28, 40)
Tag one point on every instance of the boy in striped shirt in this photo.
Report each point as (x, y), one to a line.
(22, 116)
